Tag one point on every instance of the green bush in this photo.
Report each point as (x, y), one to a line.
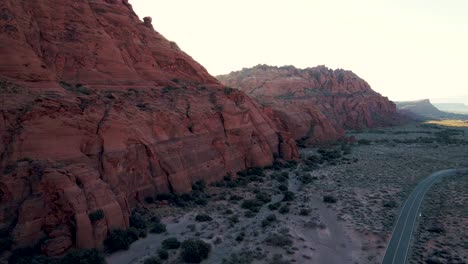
(83, 256)
(306, 178)
(119, 240)
(152, 260)
(235, 198)
(137, 221)
(304, 212)
(274, 206)
(5, 240)
(203, 218)
(288, 196)
(364, 142)
(96, 215)
(170, 243)
(240, 237)
(263, 197)
(194, 250)
(158, 228)
(390, 204)
(283, 187)
(25, 256)
(149, 199)
(234, 219)
(253, 205)
(278, 240)
(284, 209)
(329, 199)
(163, 254)
(269, 220)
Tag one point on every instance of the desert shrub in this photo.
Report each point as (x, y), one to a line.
(304, 212)
(5, 240)
(283, 187)
(436, 229)
(158, 228)
(364, 142)
(228, 90)
(314, 159)
(164, 196)
(26, 255)
(240, 237)
(271, 218)
(278, 259)
(283, 209)
(246, 256)
(152, 260)
(170, 243)
(163, 254)
(136, 220)
(255, 171)
(288, 196)
(329, 199)
(253, 205)
(194, 250)
(235, 198)
(228, 212)
(306, 178)
(203, 218)
(199, 186)
(234, 219)
(141, 232)
(263, 197)
(149, 199)
(9, 168)
(78, 88)
(119, 240)
(280, 178)
(274, 206)
(390, 204)
(249, 214)
(278, 240)
(346, 149)
(96, 215)
(83, 256)
(329, 155)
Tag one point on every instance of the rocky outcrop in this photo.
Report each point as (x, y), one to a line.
(317, 103)
(99, 111)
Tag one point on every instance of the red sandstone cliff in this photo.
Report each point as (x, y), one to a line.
(318, 102)
(99, 111)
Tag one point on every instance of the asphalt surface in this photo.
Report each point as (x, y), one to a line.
(400, 242)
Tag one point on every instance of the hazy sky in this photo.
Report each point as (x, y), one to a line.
(405, 49)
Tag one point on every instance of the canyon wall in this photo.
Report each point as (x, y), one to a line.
(99, 111)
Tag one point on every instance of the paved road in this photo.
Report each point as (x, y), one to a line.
(398, 247)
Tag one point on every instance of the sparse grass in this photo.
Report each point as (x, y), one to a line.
(449, 123)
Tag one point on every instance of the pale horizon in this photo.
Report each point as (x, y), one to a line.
(406, 50)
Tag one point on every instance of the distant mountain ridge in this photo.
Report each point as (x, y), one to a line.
(424, 109)
(452, 107)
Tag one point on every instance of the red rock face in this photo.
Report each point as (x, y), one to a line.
(317, 103)
(99, 42)
(105, 112)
